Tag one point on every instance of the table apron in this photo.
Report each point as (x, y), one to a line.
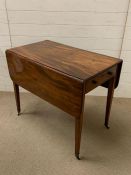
(100, 78)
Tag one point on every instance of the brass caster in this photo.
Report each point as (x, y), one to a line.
(106, 125)
(77, 156)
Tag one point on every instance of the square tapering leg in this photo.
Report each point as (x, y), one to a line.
(109, 100)
(78, 130)
(17, 97)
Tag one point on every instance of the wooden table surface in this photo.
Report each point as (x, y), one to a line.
(75, 62)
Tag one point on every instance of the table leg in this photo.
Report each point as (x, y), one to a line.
(17, 97)
(78, 130)
(109, 100)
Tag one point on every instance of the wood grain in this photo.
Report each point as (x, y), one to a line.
(69, 60)
(56, 88)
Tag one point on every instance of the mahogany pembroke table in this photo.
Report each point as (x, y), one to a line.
(62, 75)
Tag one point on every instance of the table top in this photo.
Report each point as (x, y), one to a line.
(75, 62)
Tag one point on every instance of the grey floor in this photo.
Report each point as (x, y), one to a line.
(41, 140)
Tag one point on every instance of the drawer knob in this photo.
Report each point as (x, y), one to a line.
(109, 73)
(94, 81)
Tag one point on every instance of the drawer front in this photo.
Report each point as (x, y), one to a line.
(100, 79)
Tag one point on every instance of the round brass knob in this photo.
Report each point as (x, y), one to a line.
(94, 81)
(109, 73)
